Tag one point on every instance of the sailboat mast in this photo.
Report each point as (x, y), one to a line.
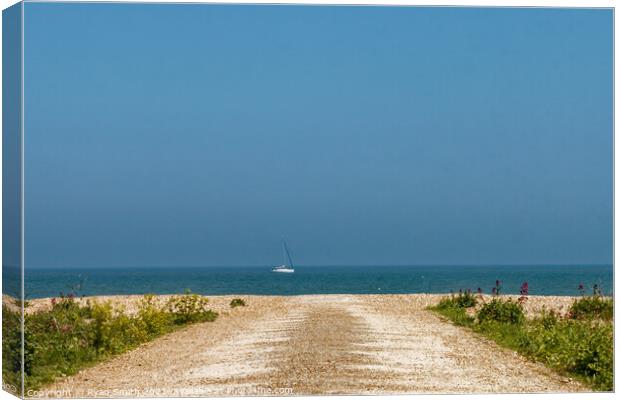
(288, 256)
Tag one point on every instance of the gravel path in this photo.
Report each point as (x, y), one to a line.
(324, 344)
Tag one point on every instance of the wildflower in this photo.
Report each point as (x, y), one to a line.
(524, 292)
(498, 287)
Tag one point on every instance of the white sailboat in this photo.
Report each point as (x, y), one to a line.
(287, 258)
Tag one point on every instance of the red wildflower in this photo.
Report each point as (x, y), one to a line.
(524, 292)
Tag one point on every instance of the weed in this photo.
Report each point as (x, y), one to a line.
(237, 302)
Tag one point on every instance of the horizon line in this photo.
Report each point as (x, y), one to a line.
(327, 265)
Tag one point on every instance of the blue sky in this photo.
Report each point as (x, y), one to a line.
(203, 134)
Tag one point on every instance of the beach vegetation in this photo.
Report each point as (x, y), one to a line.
(237, 302)
(71, 335)
(581, 348)
(592, 307)
(500, 310)
(190, 308)
(155, 320)
(11, 348)
(578, 344)
(456, 314)
(464, 299)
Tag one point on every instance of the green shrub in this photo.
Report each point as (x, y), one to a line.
(11, 349)
(592, 307)
(501, 311)
(548, 319)
(462, 300)
(69, 336)
(453, 309)
(465, 299)
(446, 302)
(156, 321)
(101, 322)
(581, 347)
(237, 302)
(190, 308)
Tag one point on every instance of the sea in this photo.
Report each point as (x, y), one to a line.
(542, 280)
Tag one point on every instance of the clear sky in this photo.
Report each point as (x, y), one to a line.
(162, 135)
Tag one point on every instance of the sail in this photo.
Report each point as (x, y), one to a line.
(287, 254)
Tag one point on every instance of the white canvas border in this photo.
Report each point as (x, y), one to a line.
(431, 3)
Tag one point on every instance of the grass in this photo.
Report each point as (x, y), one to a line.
(69, 336)
(579, 344)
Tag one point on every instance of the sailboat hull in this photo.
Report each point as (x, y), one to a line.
(284, 271)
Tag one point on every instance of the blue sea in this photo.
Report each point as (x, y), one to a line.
(542, 280)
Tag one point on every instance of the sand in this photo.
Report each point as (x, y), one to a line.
(316, 344)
